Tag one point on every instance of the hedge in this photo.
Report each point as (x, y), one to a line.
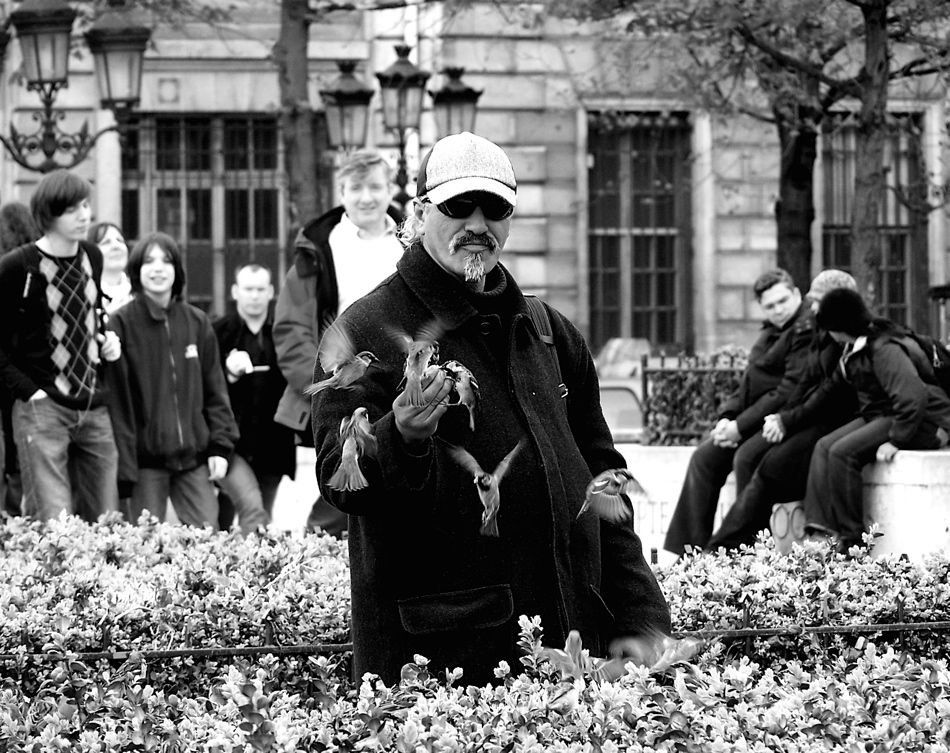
(72, 590)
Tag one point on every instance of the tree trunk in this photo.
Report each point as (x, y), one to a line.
(795, 208)
(869, 182)
(304, 138)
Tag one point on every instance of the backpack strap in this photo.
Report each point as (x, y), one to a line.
(542, 323)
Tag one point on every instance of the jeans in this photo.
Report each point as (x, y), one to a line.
(252, 495)
(191, 492)
(709, 466)
(68, 459)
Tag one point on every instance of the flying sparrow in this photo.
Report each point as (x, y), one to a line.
(486, 483)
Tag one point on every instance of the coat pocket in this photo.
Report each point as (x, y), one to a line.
(474, 608)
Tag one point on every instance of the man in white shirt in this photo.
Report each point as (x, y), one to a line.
(338, 258)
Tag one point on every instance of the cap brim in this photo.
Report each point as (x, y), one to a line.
(453, 188)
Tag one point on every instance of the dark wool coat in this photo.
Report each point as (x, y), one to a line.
(777, 361)
(423, 579)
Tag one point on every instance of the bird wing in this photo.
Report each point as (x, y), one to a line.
(633, 489)
(399, 337)
(336, 347)
(611, 507)
(502, 467)
(430, 332)
(465, 459)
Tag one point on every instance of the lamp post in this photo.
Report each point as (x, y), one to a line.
(402, 85)
(454, 104)
(117, 44)
(346, 103)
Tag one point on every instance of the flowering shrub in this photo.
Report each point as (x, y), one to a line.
(73, 588)
(683, 394)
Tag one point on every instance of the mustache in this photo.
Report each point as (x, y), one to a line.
(471, 239)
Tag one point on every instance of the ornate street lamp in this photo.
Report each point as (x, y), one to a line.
(347, 108)
(402, 85)
(454, 104)
(117, 44)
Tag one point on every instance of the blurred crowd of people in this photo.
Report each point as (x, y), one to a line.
(117, 394)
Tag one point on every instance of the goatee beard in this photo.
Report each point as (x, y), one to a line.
(474, 267)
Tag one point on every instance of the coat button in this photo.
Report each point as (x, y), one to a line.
(485, 328)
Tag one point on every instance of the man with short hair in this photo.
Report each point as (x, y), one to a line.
(338, 257)
(52, 348)
(428, 575)
(776, 363)
(265, 451)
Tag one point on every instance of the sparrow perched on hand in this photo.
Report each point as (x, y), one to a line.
(465, 387)
(357, 438)
(421, 352)
(603, 495)
(486, 483)
(338, 358)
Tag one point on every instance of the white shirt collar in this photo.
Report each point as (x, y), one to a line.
(352, 229)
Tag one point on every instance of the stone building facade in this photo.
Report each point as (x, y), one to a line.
(639, 215)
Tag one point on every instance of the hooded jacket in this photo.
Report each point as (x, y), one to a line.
(170, 405)
(891, 376)
(424, 580)
(308, 301)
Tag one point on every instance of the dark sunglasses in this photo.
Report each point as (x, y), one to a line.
(460, 207)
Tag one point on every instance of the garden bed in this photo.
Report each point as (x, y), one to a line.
(163, 638)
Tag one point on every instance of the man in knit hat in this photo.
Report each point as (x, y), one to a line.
(535, 450)
(793, 431)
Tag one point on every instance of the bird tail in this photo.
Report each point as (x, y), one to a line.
(348, 477)
(489, 526)
(414, 391)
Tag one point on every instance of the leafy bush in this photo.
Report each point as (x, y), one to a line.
(72, 588)
(683, 394)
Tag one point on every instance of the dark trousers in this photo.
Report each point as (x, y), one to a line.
(834, 500)
(780, 477)
(709, 466)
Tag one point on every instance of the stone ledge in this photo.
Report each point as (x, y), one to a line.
(909, 498)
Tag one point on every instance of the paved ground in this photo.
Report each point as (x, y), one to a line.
(294, 498)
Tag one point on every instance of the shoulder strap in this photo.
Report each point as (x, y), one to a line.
(542, 323)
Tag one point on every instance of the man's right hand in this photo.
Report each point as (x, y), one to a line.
(416, 424)
(773, 430)
(238, 363)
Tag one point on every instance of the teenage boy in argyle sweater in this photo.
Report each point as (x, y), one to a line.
(52, 351)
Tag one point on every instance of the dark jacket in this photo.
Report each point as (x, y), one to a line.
(308, 301)
(423, 578)
(777, 362)
(25, 350)
(267, 446)
(892, 376)
(819, 399)
(170, 406)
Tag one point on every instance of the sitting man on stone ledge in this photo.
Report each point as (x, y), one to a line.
(776, 363)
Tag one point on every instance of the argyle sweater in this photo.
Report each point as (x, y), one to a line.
(51, 306)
